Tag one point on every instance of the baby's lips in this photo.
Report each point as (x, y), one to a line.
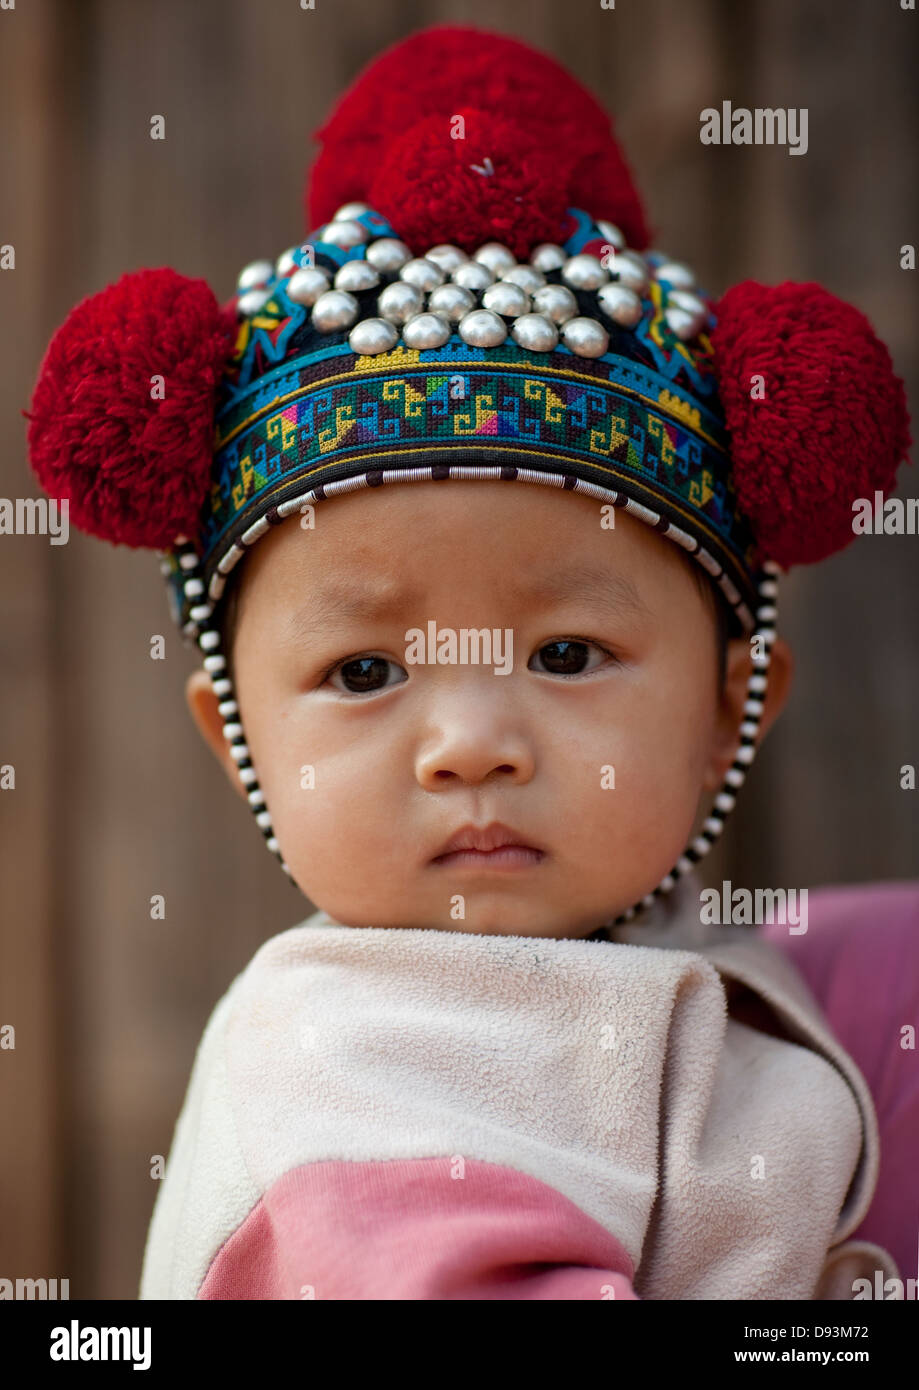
(495, 835)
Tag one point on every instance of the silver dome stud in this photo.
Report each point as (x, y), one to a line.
(349, 211)
(451, 301)
(423, 274)
(496, 256)
(426, 331)
(611, 233)
(482, 328)
(683, 299)
(344, 234)
(555, 302)
(285, 264)
(535, 332)
(683, 324)
(306, 285)
(255, 275)
(584, 273)
(472, 276)
(676, 274)
(372, 336)
(399, 301)
(632, 270)
(387, 254)
(548, 256)
(505, 299)
(355, 276)
(447, 257)
(585, 337)
(251, 301)
(335, 310)
(526, 276)
(621, 304)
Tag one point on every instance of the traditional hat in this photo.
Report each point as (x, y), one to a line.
(478, 300)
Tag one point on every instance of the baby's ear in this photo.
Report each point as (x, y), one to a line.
(738, 669)
(203, 704)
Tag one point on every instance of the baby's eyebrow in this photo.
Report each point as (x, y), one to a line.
(603, 589)
(600, 587)
(328, 607)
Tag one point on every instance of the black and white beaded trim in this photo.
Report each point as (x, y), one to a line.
(498, 472)
(201, 626)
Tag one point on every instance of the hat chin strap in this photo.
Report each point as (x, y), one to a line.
(215, 664)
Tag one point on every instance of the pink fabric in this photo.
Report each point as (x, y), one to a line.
(408, 1229)
(860, 958)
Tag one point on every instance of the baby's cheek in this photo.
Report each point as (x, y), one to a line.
(656, 793)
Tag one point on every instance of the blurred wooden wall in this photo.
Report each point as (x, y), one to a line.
(116, 798)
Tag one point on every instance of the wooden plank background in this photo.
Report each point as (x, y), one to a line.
(116, 797)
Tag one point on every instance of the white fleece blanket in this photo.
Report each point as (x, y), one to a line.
(729, 1164)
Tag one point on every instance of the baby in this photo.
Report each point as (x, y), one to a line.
(476, 510)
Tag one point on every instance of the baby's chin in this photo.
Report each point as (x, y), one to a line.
(486, 923)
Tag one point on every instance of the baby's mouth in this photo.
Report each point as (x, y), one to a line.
(507, 857)
(493, 846)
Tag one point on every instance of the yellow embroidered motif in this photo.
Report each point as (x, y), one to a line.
(344, 421)
(251, 481)
(553, 405)
(659, 328)
(658, 430)
(699, 493)
(242, 338)
(268, 317)
(602, 442)
(399, 357)
(484, 411)
(287, 429)
(411, 398)
(675, 405)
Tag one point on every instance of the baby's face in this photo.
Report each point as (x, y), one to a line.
(594, 747)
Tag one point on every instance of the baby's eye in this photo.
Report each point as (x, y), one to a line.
(567, 657)
(364, 674)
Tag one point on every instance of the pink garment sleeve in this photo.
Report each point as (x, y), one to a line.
(415, 1229)
(860, 957)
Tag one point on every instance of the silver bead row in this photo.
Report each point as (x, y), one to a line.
(485, 298)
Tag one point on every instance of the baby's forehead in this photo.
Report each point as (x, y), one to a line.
(427, 523)
(515, 531)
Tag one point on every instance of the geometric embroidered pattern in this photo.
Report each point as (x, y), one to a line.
(308, 422)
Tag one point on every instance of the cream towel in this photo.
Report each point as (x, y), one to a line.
(728, 1163)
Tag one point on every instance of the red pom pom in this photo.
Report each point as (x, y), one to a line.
(427, 183)
(832, 424)
(445, 70)
(132, 454)
(602, 185)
